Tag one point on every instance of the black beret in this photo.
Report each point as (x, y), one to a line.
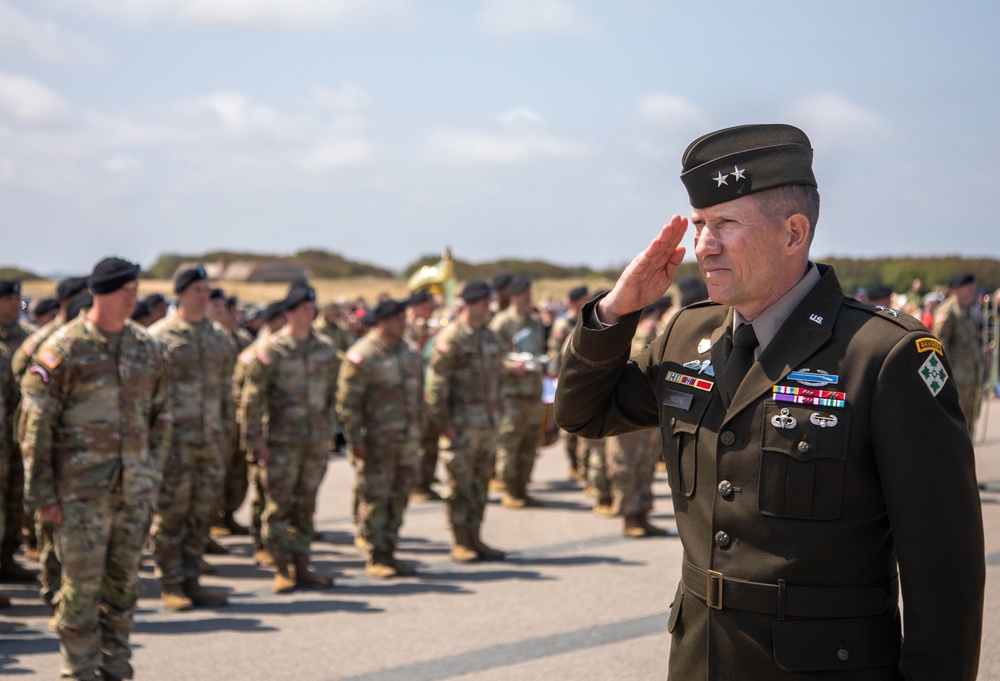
(727, 164)
(9, 286)
(44, 305)
(502, 281)
(388, 308)
(232, 301)
(111, 274)
(142, 309)
(70, 286)
(518, 285)
(961, 279)
(420, 297)
(155, 299)
(216, 294)
(879, 291)
(576, 293)
(272, 311)
(188, 276)
(475, 291)
(297, 295)
(77, 304)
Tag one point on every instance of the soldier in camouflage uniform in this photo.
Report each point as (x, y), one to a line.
(562, 327)
(198, 355)
(290, 385)
(957, 329)
(380, 405)
(463, 397)
(9, 398)
(331, 324)
(95, 429)
(522, 342)
(419, 333)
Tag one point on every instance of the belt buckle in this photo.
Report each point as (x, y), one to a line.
(713, 590)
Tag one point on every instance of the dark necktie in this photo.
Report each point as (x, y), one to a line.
(739, 361)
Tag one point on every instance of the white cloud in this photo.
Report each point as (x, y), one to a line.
(346, 154)
(833, 122)
(28, 102)
(521, 115)
(44, 41)
(347, 98)
(121, 164)
(668, 110)
(481, 148)
(267, 13)
(547, 18)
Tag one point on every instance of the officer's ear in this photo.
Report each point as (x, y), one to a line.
(797, 231)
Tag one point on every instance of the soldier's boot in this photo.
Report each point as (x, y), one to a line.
(532, 501)
(402, 569)
(379, 565)
(214, 548)
(304, 576)
(262, 557)
(283, 582)
(484, 550)
(651, 529)
(633, 527)
(174, 598)
(204, 567)
(497, 485)
(604, 508)
(511, 501)
(201, 596)
(362, 545)
(11, 570)
(424, 493)
(461, 550)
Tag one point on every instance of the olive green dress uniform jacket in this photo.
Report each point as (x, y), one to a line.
(816, 514)
(88, 423)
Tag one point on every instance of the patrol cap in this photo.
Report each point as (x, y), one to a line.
(110, 274)
(518, 285)
(727, 164)
(216, 294)
(576, 293)
(419, 298)
(961, 279)
(44, 305)
(70, 286)
(502, 281)
(272, 310)
(188, 276)
(475, 290)
(77, 304)
(8, 286)
(297, 295)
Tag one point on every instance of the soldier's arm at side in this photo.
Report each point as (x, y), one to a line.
(160, 417)
(601, 390)
(252, 408)
(42, 394)
(352, 386)
(437, 391)
(927, 468)
(331, 396)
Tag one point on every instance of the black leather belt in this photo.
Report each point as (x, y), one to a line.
(721, 592)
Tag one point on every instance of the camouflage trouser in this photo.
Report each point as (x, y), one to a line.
(517, 446)
(99, 543)
(257, 502)
(237, 481)
(51, 574)
(631, 460)
(13, 499)
(428, 452)
(469, 461)
(290, 480)
(382, 488)
(969, 395)
(188, 496)
(597, 469)
(572, 444)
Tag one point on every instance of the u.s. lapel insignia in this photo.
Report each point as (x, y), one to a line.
(816, 318)
(784, 420)
(818, 419)
(933, 374)
(704, 345)
(813, 379)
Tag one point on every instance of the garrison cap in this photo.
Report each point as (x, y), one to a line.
(576, 293)
(518, 285)
(273, 310)
(727, 164)
(502, 281)
(70, 286)
(43, 305)
(78, 304)
(110, 274)
(9, 286)
(188, 276)
(475, 290)
(297, 295)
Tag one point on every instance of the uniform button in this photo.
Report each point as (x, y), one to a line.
(803, 447)
(728, 437)
(842, 654)
(722, 538)
(725, 488)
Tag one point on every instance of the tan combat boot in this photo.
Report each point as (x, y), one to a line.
(462, 551)
(304, 576)
(510, 501)
(484, 551)
(379, 565)
(633, 528)
(362, 545)
(174, 598)
(604, 508)
(201, 596)
(283, 582)
(262, 557)
(651, 529)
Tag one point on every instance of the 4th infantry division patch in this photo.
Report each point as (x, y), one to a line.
(933, 373)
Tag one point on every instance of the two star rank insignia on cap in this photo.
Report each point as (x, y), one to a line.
(737, 176)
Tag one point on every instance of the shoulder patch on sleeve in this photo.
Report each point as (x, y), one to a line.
(264, 356)
(355, 357)
(442, 346)
(933, 374)
(928, 344)
(49, 359)
(246, 357)
(40, 372)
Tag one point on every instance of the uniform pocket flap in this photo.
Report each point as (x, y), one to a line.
(805, 433)
(675, 610)
(826, 645)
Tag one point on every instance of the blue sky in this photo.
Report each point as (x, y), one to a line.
(553, 129)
